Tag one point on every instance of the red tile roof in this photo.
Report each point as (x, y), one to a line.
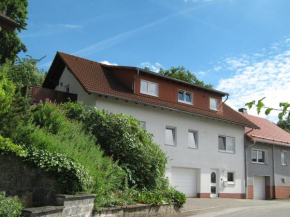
(268, 133)
(97, 78)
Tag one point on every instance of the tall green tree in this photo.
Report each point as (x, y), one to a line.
(11, 44)
(25, 72)
(183, 74)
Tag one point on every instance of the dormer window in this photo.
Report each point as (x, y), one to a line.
(149, 88)
(185, 97)
(213, 103)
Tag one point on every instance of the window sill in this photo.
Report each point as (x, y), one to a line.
(259, 163)
(283, 164)
(192, 147)
(231, 183)
(215, 110)
(171, 145)
(149, 94)
(188, 103)
(228, 152)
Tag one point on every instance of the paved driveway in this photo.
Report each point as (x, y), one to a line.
(234, 208)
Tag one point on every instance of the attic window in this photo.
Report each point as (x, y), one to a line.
(213, 104)
(67, 88)
(185, 97)
(149, 88)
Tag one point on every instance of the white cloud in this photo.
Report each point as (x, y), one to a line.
(155, 67)
(217, 68)
(70, 26)
(202, 73)
(106, 62)
(254, 79)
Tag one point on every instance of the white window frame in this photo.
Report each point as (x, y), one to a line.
(184, 96)
(174, 135)
(217, 103)
(67, 88)
(259, 150)
(148, 82)
(227, 151)
(195, 136)
(285, 162)
(234, 176)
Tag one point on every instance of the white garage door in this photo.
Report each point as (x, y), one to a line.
(259, 188)
(184, 180)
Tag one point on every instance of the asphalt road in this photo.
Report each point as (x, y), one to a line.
(234, 208)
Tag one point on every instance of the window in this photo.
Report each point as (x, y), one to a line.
(170, 136)
(67, 88)
(283, 158)
(143, 125)
(149, 88)
(231, 177)
(213, 104)
(192, 139)
(227, 144)
(185, 97)
(258, 156)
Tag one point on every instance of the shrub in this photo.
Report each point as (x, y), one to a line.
(48, 130)
(121, 137)
(10, 206)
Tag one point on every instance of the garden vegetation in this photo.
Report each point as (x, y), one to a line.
(85, 149)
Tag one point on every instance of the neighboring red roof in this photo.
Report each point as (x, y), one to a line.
(268, 133)
(97, 78)
(8, 20)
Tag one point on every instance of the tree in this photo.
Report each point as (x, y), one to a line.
(181, 73)
(284, 115)
(25, 72)
(10, 44)
(6, 90)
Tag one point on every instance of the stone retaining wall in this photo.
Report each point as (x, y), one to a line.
(33, 186)
(83, 205)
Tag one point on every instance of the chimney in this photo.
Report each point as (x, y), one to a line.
(243, 110)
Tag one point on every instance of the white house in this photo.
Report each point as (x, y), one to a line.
(202, 136)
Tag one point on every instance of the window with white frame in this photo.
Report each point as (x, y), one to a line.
(143, 125)
(227, 144)
(258, 156)
(231, 177)
(192, 139)
(283, 158)
(67, 88)
(170, 136)
(185, 97)
(149, 88)
(213, 104)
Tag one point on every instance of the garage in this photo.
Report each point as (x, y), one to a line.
(184, 179)
(259, 188)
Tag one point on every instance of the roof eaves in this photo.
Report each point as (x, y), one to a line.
(270, 143)
(173, 109)
(8, 20)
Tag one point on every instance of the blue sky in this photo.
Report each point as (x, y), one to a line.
(240, 46)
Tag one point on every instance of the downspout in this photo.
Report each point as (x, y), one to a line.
(133, 83)
(246, 168)
(273, 158)
(224, 101)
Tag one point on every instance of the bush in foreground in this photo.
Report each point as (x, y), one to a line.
(10, 206)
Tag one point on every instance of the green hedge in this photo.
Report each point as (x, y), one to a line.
(10, 206)
(121, 137)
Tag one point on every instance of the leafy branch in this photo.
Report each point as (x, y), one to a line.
(283, 108)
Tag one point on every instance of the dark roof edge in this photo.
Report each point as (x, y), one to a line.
(172, 109)
(270, 143)
(9, 20)
(168, 78)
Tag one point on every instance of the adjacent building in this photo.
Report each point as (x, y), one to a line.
(268, 160)
(202, 136)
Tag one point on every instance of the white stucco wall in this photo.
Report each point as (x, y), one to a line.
(205, 158)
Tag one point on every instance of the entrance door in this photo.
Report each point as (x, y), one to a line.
(213, 184)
